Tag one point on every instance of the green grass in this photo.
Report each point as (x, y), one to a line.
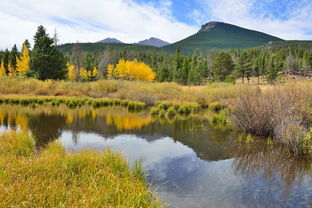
(171, 108)
(55, 178)
(217, 107)
(73, 102)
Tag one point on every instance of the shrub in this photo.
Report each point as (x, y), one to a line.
(171, 112)
(220, 118)
(155, 111)
(162, 113)
(185, 109)
(276, 113)
(216, 106)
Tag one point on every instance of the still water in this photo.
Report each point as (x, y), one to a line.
(188, 161)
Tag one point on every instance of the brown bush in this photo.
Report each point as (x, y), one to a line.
(276, 113)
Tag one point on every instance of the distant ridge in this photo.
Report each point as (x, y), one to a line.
(153, 42)
(223, 36)
(110, 40)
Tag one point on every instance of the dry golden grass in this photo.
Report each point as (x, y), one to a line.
(145, 92)
(55, 178)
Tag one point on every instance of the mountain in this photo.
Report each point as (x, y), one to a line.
(224, 36)
(118, 47)
(110, 40)
(153, 42)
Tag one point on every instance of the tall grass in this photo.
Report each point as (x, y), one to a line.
(281, 113)
(149, 93)
(55, 178)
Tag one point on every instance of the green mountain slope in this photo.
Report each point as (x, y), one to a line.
(222, 36)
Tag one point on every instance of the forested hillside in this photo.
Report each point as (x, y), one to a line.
(222, 36)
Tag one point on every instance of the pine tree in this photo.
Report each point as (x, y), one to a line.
(90, 64)
(306, 63)
(222, 66)
(46, 61)
(272, 71)
(26, 42)
(6, 60)
(13, 57)
(185, 70)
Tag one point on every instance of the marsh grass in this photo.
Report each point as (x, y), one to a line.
(171, 108)
(149, 93)
(73, 102)
(55, 178)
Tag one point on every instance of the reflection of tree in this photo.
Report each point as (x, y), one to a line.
(126, 122)
(46, 128)
(269, 161)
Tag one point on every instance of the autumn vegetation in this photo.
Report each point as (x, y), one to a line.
(55, 178)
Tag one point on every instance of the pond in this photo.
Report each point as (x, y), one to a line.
(188, 161)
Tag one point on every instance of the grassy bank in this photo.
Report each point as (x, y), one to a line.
(149, 93)
(55, 178)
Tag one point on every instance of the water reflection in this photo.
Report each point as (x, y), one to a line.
(190, 163)
(268, 160)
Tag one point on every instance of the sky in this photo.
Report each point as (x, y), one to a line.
(134, 20)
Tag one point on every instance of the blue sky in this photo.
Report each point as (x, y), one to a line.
(135, 20)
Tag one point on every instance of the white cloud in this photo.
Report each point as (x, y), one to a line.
(89, 20)
(292, 22)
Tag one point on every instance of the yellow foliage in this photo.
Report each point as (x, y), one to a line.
(88, 75)
(92, 74)
(71, 72)
(2, 70)
(12, 72)
(124, 122)
(83, 74)
(131, 70)
(22, 65)
(111, 72)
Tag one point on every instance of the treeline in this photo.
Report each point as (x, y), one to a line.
(46, 61)
(197, 68)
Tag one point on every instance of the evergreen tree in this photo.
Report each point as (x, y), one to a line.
(178, 63)
(13, 56)
(272, 71)
(26, 42)
(222, 66)
(185, 70)
(6, 60)
(164, 75)
(306, 63)
(46, 61)
(90, 64)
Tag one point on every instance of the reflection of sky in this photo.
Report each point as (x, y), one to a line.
(184, 180)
